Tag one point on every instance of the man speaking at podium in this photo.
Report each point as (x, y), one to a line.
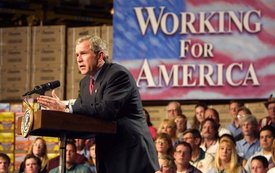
(109, 92)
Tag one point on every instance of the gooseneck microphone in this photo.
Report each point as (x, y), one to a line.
(41, 89)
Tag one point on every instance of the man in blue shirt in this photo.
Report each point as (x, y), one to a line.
(71, 165)
(250, 144)
(234, 127)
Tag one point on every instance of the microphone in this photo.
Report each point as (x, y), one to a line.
(41, 89)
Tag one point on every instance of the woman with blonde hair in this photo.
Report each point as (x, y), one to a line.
(226, 158)
(39, 149)
(169, 127)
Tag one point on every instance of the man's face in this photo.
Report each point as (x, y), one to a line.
(257, 167)
(70, 154)
(80, 143)
(233, 110)
(181, 124)
(247, 128)
(4, 166)
(172, 111)
(208, 130)
(88, 62)
(188, 137)
(182, 155)
(271, 110)
(266, 140)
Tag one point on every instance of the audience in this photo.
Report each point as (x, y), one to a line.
(267, 135)
(71, 165)
(210, 135)
(92, 158)
(167, 164)
(270, 118)
(173, 110)
(199, 116)
(207, 147)
(181, 123)
(32, 164)
(39, 149)
(4, 163)
(182, 156)
(199, 159)
(151, 127)
(54, 162)
(226, 158)
(214, 114)
(250, 144)
(81, 147)
(163, 145)
(242, 111)
(169, 127)
(234, 126)
(259, 164)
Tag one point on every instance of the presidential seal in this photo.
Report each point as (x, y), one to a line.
(27, 122)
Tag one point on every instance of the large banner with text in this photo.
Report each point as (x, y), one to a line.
(185, 50)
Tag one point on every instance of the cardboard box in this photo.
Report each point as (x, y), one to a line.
(71, 58)
(73, 77)
(15, 77)
(44, 35)
(16, 36)
(51, 55)
(42, 75)
(14, 92)
(19, 56)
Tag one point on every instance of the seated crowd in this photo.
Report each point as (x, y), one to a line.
(246, 145)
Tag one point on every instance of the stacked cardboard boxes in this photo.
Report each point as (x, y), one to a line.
(48, 56)
(15, 59)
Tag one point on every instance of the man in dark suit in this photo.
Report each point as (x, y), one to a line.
(114, 97)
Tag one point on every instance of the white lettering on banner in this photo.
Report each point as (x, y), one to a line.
(201, 75)
(185, 22)
(197, 50)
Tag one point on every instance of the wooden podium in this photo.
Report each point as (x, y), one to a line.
(66, 125)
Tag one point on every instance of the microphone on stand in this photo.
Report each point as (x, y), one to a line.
(41, 89)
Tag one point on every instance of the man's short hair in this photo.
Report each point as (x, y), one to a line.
(249, 118)
(268, 128)
(184, 144)
(262, 159)
(195, 133)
